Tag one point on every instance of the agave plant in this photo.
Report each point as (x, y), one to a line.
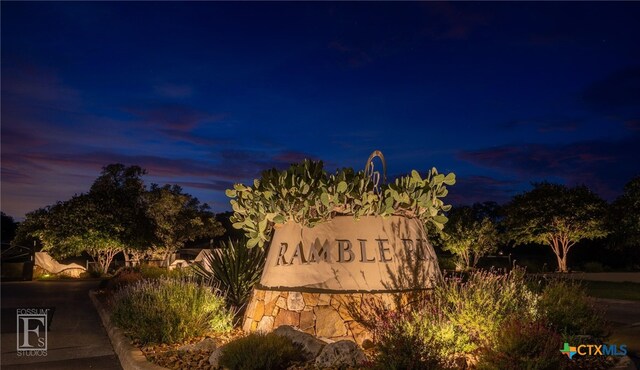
(307, 195)
(235, 269)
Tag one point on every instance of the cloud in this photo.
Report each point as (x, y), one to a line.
(289, 157)
(61, 173)
(472, 189)
(190, 137)
(172, 116)
(37, 85)
(211, 185)
(603, 165)
(10, 175)
(14, 139)
(169, 90)
(247, 164)
(156, 165)
(544, 125)
(619, 92)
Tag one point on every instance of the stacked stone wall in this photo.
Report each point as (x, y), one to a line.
(324, 315)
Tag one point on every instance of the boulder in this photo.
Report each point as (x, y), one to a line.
(206, 345)
(215, 357)
(341, 353)
(311, 346)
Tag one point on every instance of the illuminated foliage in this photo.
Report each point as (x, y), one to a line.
(557, 216)
(469, 235)
(235, 269)
(306, 194)
(178, 217)
(169, 310)
(119, 214)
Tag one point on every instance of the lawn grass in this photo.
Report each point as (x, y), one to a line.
(606, 289)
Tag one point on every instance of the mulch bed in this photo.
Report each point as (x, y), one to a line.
(168, 355)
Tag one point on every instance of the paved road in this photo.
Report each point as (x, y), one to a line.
(633, 277)
(76, 339)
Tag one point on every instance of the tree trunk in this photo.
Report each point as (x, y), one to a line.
(104, 259)
(165, 258)
(562, 263)
(560, 244)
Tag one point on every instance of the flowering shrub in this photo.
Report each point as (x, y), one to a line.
(484, 319)
(571, 312)
(524, 344)
(402, 345)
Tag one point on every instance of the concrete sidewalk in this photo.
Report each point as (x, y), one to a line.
(76, 339)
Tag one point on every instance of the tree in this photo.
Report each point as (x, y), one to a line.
(78, 225)
(119, 194)
(9, 226)
(27, 233)
(625, 215)
(178, 217)
(470, 234)
(107, 220)
(119, 214)
(557, 216)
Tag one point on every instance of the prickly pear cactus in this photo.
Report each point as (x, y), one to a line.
(306, 194)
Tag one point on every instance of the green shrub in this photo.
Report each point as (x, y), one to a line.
(524, 345)
(234, 268)
(569, 310)
(169, 310)
(446, 263)
(259, 351)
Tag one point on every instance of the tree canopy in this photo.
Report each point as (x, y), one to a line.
(624, 219)
(9, 226)
(179, 217)
(557, 216)
(471, 233)
(118, 214)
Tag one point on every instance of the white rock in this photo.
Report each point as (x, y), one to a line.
(215, 357)
(340, 353)
(295, 301)
(206, 345)
(311, 345)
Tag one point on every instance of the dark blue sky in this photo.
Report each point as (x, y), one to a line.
(208, 94)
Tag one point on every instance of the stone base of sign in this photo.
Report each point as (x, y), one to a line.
(324, 315)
